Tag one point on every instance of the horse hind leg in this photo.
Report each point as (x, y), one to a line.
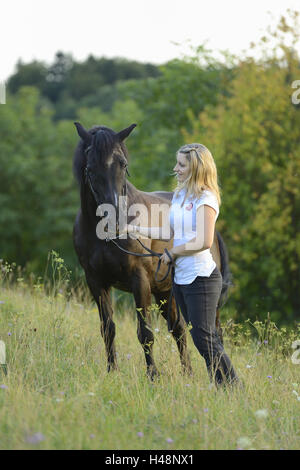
(142, 296)
(179, 331)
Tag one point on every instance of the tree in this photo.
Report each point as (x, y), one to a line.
(32, 74)
(37, 193)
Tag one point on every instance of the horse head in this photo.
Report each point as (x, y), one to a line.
(106, 162)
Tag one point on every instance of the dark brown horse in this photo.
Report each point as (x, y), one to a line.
(100, 166)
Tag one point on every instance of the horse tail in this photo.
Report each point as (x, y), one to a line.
(225, 271)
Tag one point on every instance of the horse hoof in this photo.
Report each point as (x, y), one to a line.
(112, 367)
(187, 370)
(153, 373)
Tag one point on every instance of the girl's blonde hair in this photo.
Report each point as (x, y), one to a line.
(203, 173)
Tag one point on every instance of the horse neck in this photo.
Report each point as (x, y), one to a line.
(88, 205)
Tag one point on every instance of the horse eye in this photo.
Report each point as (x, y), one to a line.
(123, 164)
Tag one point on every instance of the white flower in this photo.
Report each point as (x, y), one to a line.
(261, 414)
(295, 392)
(248, 366)
(91, 394)
(156, 330)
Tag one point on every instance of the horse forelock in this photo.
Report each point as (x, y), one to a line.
(105, 142)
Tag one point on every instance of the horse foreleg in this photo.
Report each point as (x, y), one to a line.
(108, 329)
(107, 326)
(142, 296)
(179, 332)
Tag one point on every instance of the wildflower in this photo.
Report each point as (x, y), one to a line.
(128, 356)
(261, 414)
(248, 366)
(295, 392)
(298, 398)
(265, 341)
(156, 330)
(4, 387)
(58, 400)
(9, 333)
(269, 376)
(187, 385)
(35, 438)
(2, 302)
(169, 440)
(205, 410)
(92, 436)
(91, 394)
(140, 434)
(195, 421)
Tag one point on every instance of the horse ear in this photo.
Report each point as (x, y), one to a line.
(86, 137)
(122, 135)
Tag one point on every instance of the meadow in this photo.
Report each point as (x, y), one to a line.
(58, 395)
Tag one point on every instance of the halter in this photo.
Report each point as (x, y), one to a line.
(87, 178)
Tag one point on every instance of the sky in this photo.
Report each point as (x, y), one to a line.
(143, 30)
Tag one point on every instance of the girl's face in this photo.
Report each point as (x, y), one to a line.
(182, 167)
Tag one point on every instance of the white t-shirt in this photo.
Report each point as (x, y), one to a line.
(183, 222)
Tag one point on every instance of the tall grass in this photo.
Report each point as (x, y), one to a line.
(58, 395)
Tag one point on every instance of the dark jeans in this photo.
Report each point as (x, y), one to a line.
(198, 303)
